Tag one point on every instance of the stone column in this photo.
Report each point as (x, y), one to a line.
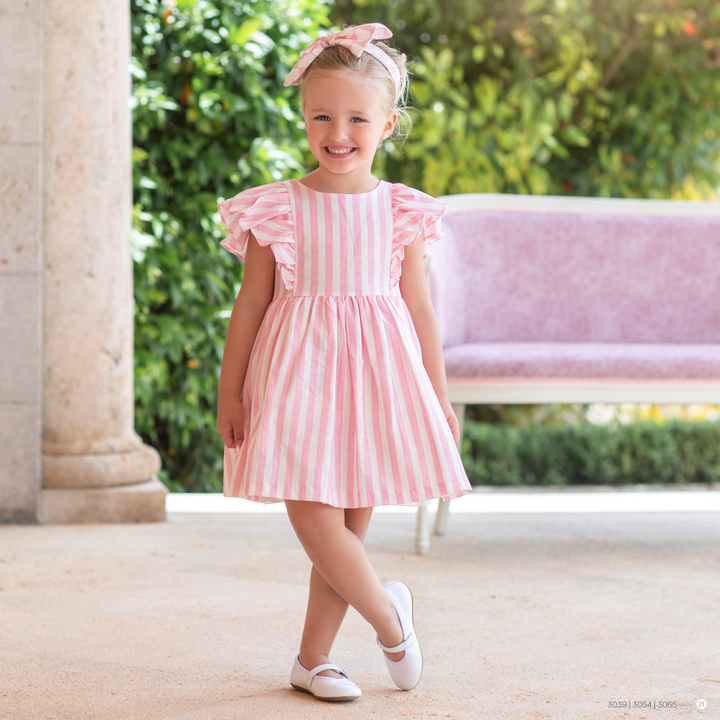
(94, 466)
(20, 255)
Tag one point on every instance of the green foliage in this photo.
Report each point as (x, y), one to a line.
(587, 454)
(558, 96)
(615, 98)
(210, 118)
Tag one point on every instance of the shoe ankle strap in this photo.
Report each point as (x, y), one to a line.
(327, 666)
(398, 648)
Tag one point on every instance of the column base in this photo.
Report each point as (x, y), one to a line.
(141, 502)
(98, 470)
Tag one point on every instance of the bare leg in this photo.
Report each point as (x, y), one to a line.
(326, 609)
(342, 573)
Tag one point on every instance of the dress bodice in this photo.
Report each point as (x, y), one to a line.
(333, 244)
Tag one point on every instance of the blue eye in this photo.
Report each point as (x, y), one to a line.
(358, 118)
(322, 117)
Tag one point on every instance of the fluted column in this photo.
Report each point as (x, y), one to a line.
(94, 465)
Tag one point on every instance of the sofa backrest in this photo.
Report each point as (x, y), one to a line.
(447, 288)
(526, 276)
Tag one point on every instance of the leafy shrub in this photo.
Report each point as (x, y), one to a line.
(615, 98)
(210, 118)
(587, 454)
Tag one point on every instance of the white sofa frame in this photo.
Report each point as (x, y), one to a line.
(499, 390)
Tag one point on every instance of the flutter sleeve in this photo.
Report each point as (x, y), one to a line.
(415, 215)
(266, 211)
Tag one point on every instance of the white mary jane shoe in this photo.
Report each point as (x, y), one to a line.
(321, 686)
(405, 673)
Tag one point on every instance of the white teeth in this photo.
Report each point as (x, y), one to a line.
(339, 152)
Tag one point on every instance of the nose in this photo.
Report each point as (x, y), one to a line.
(337, 131)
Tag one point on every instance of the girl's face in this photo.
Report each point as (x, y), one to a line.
(345, 121)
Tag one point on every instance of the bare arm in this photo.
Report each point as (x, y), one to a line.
(248, 312)
(416, 294)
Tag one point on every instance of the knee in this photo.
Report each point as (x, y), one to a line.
(310, 535)
(313, 525)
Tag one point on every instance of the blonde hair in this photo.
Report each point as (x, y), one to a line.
(337, 58)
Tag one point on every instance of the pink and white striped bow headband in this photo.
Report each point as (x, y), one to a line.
(356, 39)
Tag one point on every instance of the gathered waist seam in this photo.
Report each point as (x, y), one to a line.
(346, 295)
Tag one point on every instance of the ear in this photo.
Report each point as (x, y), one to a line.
(390, 124)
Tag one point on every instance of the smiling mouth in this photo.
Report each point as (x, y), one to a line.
(339, 152)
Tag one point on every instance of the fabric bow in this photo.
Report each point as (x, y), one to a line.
(356, 39)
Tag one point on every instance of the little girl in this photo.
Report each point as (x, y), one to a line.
(332, 394)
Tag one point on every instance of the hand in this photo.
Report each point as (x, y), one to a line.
(230, 421)
(450, 416)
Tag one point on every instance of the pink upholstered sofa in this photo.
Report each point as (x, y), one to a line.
(552, 299)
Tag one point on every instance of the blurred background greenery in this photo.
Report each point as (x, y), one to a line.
(618, 98)
(612, 98)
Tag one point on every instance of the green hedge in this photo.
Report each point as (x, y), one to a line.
(586, 454)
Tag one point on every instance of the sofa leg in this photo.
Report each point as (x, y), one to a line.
(441, 518)
(422, 536)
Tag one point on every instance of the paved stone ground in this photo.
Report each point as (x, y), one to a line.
(519, 616)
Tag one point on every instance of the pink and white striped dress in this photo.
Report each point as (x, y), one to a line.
(339, 408)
